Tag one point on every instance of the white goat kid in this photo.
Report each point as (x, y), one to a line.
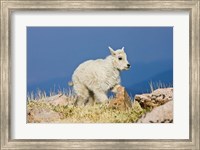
(94, 78)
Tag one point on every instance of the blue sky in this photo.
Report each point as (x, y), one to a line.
(53, 53)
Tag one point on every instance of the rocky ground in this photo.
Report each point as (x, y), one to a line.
(155, 107)
(160, 104)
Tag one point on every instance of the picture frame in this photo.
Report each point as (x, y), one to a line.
(9, 7)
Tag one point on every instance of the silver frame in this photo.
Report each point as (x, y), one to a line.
(8, 7)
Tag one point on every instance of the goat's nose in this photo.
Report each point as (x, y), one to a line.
(128, 65)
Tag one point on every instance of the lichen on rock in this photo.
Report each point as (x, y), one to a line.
(155, 99)
(122, 100)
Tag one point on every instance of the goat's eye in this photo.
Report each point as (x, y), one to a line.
(120, 58)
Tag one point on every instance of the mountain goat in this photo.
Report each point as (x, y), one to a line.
(94, 78)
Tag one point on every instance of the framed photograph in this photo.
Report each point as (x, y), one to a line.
(100, 75)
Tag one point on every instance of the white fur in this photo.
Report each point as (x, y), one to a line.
(93, 78)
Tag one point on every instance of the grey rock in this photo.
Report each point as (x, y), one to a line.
(59, 99)
(156, 98)
(164, 93)
(161, 114)
(38, 115)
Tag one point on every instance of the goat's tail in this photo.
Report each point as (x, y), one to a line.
(70, 83)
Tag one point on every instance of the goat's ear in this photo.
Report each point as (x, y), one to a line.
(111, 51)
(123, 48)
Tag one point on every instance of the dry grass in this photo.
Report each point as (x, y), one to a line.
(43, 111)
(158, 85)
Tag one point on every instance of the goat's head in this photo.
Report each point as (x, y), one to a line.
(119, 59)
